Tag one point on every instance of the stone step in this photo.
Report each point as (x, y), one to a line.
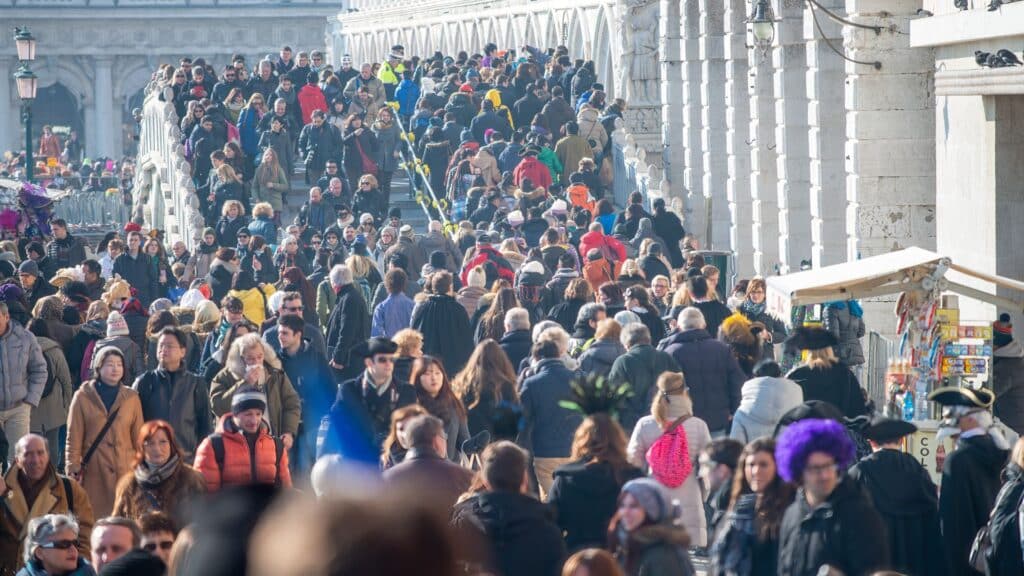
(412, 213)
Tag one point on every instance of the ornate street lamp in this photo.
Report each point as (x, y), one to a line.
(26, 44)
(762, 22)
(762, 25)
(27, 83)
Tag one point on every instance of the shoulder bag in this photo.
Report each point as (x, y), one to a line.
(99, 438)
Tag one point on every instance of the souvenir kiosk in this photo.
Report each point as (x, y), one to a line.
(935, 348)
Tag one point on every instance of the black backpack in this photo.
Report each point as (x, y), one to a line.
(217, 443)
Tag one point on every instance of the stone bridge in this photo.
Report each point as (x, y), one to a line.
(783, 154)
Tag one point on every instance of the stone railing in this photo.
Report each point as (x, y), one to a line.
(164, 196)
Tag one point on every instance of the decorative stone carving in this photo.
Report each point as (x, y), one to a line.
(638, 72)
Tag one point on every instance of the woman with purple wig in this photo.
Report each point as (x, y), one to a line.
(832, 522)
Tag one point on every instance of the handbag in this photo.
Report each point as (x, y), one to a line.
(367, 164)
(99, 438)
(669, 456)
(981, 547)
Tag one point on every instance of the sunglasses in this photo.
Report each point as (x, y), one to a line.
(384, 360)
(165, 545)
(59, 544)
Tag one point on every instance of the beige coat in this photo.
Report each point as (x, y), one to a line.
(284, 408)
(51, 500)
(688, 493)
(487, 166)
(114, 455)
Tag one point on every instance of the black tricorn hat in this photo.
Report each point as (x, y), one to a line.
(374, 346)
(883, 430)
(811, 338)
(957, 396)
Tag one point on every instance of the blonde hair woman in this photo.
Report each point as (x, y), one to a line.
(822, 376)
(271, 181)
(672, 405)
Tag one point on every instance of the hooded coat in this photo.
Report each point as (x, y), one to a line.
(661, 550)
(1008, 385)
(599, 357)
(1005, 556)
(836, 385)
(243, 464)
(970, 482)
(907, 499)
(844, 320)
(591, 129)
(283, 405)
(52, 411)
(516, 531)
(712, 374)
(446, 330)
(763, 401)
(585, 496)
(691, 502)
(640, 367)
(845, 532)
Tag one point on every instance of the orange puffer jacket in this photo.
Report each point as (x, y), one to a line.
(238, 468)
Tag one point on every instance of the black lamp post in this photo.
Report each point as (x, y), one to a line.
(27, 84)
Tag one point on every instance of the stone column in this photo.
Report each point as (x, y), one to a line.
(671, 52)
(826, 116)
(8, 111)
(763, 168)
(794, 189)
(103, 89)
(890, 147)
(693, 174)
(737, 118)
(712, 99)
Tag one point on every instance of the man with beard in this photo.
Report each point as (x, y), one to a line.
(905, 496)
(970, 475)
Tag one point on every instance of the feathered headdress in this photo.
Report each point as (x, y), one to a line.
(595, 395)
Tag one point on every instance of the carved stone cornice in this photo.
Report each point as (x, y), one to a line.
(980, 82)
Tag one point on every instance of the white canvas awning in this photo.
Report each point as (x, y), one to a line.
(882, 275)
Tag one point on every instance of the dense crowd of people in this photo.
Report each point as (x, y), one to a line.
(550, 386)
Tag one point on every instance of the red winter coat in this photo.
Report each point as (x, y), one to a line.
(311, 98)
(535, 170)
(600, 240)
(483, 254)
(238, 468)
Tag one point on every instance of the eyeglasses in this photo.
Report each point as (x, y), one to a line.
(821, 468)
(59, 544)
(163, 545)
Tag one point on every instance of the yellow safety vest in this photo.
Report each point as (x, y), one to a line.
(389, 75)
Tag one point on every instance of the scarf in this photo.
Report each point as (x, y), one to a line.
(152, 477)
(205, 248)
(751, 310)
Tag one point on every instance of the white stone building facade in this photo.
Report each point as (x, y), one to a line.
(94, 57)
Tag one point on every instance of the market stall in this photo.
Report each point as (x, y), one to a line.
(935, 348)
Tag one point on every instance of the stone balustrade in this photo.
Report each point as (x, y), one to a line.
(164, 197)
